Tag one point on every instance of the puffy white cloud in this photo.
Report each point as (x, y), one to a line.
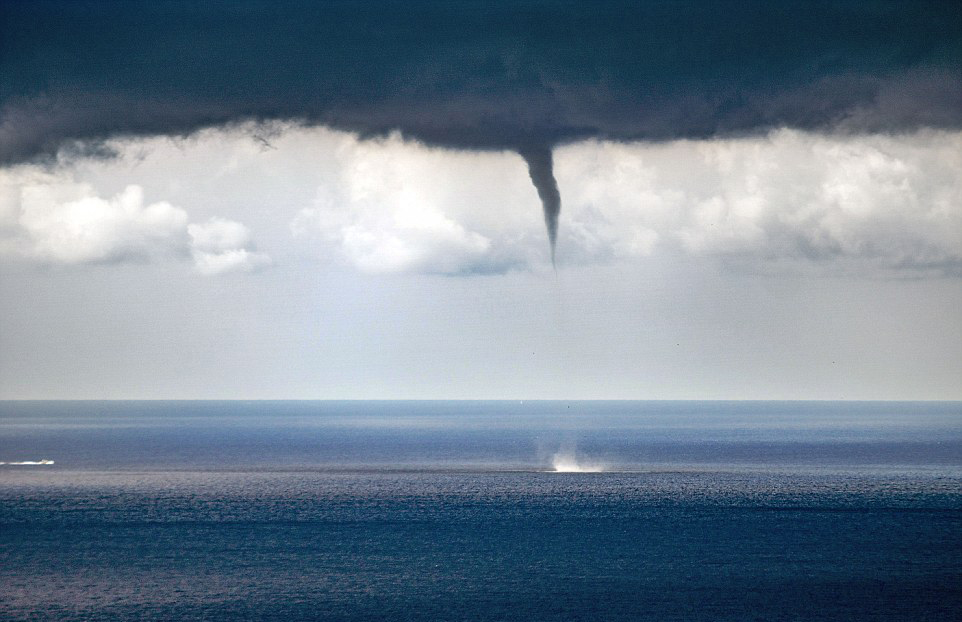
(51, 218)
(220, 246)
(66, 223)
(395, 206)
(892, 201)
(218, 236)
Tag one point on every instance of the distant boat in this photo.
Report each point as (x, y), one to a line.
(28, 463)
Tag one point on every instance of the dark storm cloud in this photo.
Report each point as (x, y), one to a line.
(477, 76)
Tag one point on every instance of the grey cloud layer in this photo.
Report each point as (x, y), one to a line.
(491, 76)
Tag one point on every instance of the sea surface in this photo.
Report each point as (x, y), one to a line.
(481, 511)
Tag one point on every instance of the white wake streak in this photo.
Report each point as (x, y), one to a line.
(28, 463)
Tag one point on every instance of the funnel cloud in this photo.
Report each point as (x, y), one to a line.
(540, 168)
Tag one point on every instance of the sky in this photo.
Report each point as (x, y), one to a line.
(527, 200)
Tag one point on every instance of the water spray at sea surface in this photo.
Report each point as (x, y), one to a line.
(568, 462)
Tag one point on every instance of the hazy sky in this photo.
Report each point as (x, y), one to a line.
(327, 201)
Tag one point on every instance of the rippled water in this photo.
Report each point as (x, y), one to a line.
(450, 511)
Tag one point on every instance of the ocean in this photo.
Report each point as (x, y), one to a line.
(481, 511)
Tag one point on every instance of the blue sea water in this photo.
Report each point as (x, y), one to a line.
(454, 511)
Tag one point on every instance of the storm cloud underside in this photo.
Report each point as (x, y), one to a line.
(493, 77)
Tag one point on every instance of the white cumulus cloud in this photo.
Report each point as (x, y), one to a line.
(52, 218)
(889, 201)
(220, 246)
(67, 223)
(396, 206)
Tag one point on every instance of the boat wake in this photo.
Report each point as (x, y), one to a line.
(28, 463)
